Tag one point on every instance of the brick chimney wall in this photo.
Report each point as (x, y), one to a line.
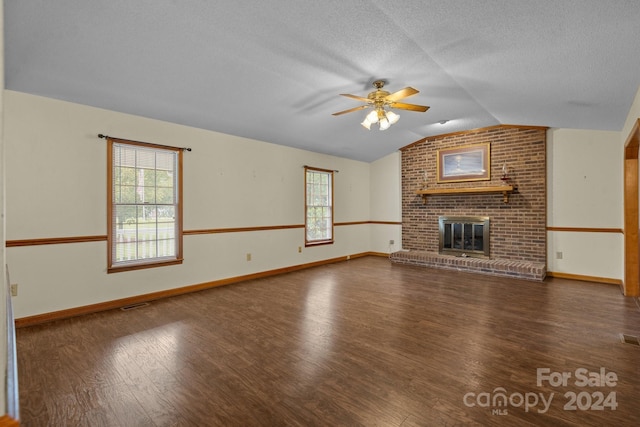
(518, 228)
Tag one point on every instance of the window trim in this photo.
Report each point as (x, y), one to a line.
(152, 262)
(308, 243)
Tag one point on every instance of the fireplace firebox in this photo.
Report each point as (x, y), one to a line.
(464, 236)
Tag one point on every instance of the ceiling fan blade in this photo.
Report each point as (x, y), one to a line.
(350, 110)
(359, 98)
(402, 93)
(411, 107)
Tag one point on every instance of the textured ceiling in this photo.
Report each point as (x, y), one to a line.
(273, 71)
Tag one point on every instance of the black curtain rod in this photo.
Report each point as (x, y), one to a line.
(142, 142)
(328, 170)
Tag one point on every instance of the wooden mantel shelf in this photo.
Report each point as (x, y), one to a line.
(504, 189)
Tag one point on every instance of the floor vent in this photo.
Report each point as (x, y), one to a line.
(629, 339)
(134, 306)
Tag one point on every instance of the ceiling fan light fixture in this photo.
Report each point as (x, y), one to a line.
(372, 117)
(384, 124)
(383, 118)
(392, 117)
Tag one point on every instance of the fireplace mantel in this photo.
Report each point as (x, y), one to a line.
(504, 189)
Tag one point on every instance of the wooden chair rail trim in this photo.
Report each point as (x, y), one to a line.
(338, 224)
(386, 222)
(109, 305)
(587, 229)
(241, 229)
(55, 241)
(101, 238)
(368, 222)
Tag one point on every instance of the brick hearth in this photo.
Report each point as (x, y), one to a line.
(497, 267)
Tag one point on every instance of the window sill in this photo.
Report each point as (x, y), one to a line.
(141, 266)
(318, 243)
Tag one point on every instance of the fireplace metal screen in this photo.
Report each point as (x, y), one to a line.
(464, 236)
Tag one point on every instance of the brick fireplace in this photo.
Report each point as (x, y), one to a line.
(518, 227)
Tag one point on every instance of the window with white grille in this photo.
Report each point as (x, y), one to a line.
(318, 206)
(145, 209)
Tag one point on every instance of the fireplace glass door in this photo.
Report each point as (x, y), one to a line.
(464, 236)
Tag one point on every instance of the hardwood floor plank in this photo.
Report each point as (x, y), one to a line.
(358, 343)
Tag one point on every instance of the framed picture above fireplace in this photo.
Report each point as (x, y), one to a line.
(468, 163)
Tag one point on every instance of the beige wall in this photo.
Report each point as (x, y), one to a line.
(386, 203)
(584, 181)
(632, 117)
(585, 190)
(56, 184)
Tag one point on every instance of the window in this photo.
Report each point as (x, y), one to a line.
(145, 205)
(318, 206)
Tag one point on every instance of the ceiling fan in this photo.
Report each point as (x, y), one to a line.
(381, 101)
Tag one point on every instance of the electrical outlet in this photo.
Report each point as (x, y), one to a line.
(558, 255)
(299, 249)
(391, 242)
(248, 257)
(14, 290)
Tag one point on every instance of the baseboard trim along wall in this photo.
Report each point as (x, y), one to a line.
(606, 280)
(109, 305)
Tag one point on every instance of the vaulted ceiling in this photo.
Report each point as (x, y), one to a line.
(273, 70)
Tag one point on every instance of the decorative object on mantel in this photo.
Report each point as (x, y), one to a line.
(469, 163)
(425, 183)
(504, 189)
(504, 176)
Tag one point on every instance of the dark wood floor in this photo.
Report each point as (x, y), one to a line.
(362, 342)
